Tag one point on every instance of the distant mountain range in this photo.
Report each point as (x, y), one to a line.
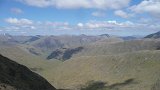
(73, 62)
(52, 47)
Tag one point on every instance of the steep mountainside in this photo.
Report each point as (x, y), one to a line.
(111, 62)
(17, 77)
(65, 41)
(6, 38)
(154, 35)
(22, 56)
(44, 45)
(32, 39)
(107, 48)
(141, 67)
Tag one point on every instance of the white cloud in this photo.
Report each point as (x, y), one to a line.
(16, 21)
(98, 25)
(80, 25)
(122, 14)
(72, 4)
(16, 10)
(112, 22)
(148, 6)
(37, 3)
(28, 26)
(98, 14)
(33, 27)
(49, 23)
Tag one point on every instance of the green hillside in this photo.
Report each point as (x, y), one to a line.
(21, 56)
(111, 48)
(143, 67)
(105, 64)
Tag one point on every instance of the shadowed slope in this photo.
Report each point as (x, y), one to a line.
(64, 54)
(154, 35)
(20, 77)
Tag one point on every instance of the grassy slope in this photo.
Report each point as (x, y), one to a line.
(112, 48)
(21, 56)
(99, 62)
(49, 43)
(141, 66)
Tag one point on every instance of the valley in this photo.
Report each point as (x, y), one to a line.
(73, 62)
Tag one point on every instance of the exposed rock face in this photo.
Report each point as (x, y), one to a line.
(19, 77)
(64, 54)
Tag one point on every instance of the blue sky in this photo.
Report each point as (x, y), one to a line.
(54, 17)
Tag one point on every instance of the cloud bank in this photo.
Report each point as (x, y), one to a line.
(148, 6)
(73, 4)
(101, 26)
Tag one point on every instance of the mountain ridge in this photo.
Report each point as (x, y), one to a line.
(20, 77)
(154, 35)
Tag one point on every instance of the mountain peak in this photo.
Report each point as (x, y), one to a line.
(154, 35)
(105, 35)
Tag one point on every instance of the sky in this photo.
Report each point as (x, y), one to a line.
(75, 17)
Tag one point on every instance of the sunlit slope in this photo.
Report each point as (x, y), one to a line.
(143, 67)
(109, 60)
(21, 56)
(67, 53)
(119, 47)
